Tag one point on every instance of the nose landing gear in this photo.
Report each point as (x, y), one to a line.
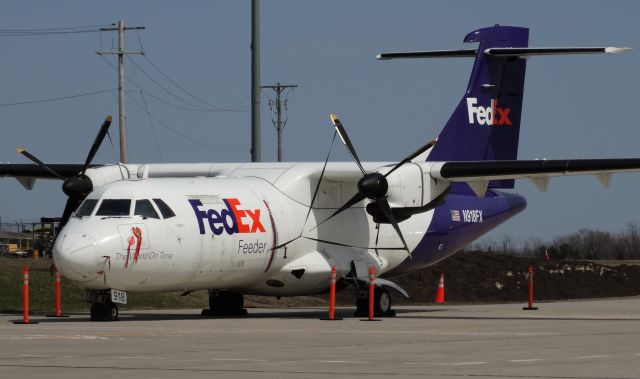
(104, 312)
(102, 308)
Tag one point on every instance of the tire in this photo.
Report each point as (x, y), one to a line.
(112, 312)
(96, 311)
(382, 301)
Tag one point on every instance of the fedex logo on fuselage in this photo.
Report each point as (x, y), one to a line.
(491, 115)
(232, 219)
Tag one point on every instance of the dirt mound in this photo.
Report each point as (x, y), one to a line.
(484, 277)
(479, 277)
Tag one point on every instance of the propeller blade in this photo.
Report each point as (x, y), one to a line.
(69, 208)
(39, 162)
(358, 197)
(104, 128)
(346, 141)
(410, 157)
(384, 205)
(315, 192)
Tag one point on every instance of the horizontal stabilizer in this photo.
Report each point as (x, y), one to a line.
(429, 54)
(532, 51)
(504, 52)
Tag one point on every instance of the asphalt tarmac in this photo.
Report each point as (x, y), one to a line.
(579, 339)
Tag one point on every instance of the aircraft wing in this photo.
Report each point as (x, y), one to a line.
(38, 172)
(478, 173)
(27, 174)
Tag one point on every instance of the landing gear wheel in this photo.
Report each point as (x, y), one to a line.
(97, 312)
(225, 303)
(104, 312)
(382, 302)
(112, 312)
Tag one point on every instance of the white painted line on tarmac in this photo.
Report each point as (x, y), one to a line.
(155, 358)
(33, 356)
(350, 362)
(593, 356)
(525, 360)
(446, 364)
(239, 359)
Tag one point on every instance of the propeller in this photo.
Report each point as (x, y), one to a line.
(77, 186)
(374, 185)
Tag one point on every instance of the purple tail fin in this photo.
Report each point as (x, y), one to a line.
(486, 123)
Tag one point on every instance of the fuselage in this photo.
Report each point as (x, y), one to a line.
(251, 235)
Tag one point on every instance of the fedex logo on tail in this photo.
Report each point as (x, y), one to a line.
(232, 219)
(491, 115)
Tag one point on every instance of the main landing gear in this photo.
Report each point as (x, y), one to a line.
(381, 302)
(225, 303)
(102, 308)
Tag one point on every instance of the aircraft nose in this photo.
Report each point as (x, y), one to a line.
(76, 255)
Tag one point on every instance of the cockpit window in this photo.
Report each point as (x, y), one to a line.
(114, 207)
(86, 208)
(145, 209)
(164, 208)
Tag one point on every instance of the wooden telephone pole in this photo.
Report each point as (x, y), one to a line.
(121, 53)
(279, 123)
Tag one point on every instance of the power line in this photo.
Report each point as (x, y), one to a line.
(153, 129)
(53, 29)
(229, 108)
(161, 86)
(167, 102)
(54, 98)
(184, 136)
(49, 31)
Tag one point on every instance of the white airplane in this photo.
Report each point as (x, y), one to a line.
(276, 229)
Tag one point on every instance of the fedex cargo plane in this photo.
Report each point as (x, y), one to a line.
(277, 229)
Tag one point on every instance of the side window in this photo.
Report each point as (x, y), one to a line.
(86, 208)
(114, 207)
(164, 208)
(145, 209)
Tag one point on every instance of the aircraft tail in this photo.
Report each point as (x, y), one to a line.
(486, 123)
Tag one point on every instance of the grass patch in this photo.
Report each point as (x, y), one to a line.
(42, 292)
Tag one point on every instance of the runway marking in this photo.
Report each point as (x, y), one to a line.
(33, 356)
(132, 334)
(525, 360)
(593, 356)
(158, 358)
(239, 359)
(354, 362)
(446, 364)
(54, 337)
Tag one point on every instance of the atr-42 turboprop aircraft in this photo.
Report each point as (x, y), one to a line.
(276, 229)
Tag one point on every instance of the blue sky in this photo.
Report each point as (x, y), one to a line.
(574, 107)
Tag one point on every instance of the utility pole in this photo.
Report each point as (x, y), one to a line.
(121, 53)
(255, 81)
(279, 123)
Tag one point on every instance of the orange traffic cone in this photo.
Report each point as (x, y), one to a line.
(440, 291)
